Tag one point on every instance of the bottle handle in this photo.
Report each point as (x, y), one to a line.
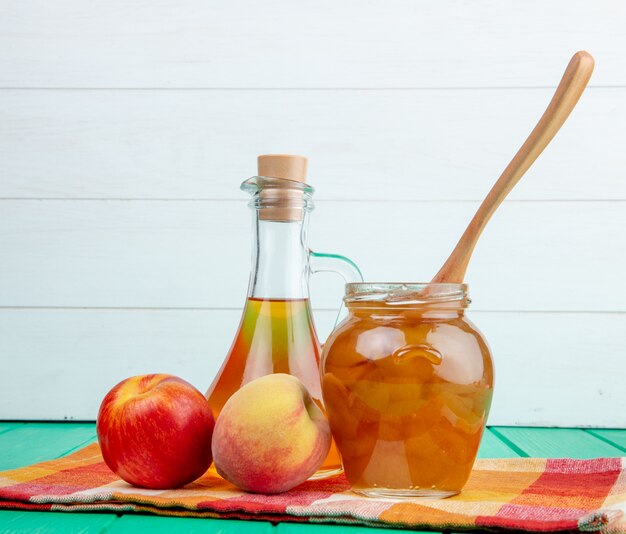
(320, 262)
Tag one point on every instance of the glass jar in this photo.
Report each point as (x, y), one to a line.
(407, 382)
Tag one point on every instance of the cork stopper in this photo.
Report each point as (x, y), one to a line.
(283, 166)
(282, 200)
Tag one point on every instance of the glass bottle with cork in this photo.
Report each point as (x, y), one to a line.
(277, 333)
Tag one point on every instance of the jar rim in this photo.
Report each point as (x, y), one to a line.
(402, 293)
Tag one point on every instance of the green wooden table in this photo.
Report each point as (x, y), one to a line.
(26, 443)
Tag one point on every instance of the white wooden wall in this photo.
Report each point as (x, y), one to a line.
(126, 128)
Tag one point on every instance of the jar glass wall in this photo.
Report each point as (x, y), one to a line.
(407, 382)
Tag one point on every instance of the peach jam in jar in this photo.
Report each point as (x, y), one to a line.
(407, 382)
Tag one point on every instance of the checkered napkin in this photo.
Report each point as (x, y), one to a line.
(528, 494)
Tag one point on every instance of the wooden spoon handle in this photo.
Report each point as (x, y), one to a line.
(563, 102)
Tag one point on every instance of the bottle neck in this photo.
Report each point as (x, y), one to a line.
(279, 259)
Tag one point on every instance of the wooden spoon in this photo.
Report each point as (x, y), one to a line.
(563, 102)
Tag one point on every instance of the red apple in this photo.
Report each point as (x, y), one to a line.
(155, 431)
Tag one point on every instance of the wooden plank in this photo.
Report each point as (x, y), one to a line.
(36, 442)
(105, 346)
(363, 145)
(613, 436)
(492, 446)
(312, 528)
(196, 254)
(539, 361)
(7, 427)
(398, 43)
(138, 523)
(54, 522)
(556, 443)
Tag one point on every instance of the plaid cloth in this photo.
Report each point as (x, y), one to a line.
(520, 493)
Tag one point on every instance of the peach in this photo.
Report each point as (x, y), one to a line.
(270, 435)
